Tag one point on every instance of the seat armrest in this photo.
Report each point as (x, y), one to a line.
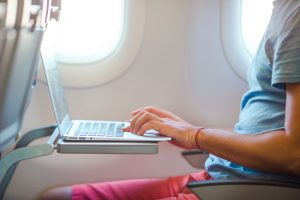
(245, 189)
(195, 157)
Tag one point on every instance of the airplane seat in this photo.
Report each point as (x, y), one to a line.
(22, 24)
(246, 189)
(17, 65)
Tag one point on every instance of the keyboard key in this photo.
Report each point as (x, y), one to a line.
(111, 130)
(119, 131)
(94, 129)
(78, 128)
(102, 129)
(86, 127)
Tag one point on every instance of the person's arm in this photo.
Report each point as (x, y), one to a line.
(276, 151)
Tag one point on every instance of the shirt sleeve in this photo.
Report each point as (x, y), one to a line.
(286, 63)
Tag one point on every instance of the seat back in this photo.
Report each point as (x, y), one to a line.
(22, 24)
(17, 67)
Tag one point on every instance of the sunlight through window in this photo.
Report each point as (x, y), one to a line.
(255, 17)
(89, 30)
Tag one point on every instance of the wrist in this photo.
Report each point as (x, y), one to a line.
(196, 137)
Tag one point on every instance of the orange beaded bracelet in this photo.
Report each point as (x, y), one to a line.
(196, 136)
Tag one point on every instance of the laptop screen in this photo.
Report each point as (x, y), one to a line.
(55, 86)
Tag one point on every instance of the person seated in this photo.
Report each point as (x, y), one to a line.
(264, 143)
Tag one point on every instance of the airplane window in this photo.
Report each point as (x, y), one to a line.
(243, 23)
(255, 17)
(88, 30)
(97, 40)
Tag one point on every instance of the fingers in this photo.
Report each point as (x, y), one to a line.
(126, 129)
(133, 121)
(150, 109)
(142, 118)
(155, 125)
(139, 120)
(154, 110)
(151, 124)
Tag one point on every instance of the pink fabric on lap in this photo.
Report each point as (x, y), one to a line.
(140, 189)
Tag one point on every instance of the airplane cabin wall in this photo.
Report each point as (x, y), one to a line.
(181, 67)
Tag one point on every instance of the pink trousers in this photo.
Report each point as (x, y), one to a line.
(170, 188)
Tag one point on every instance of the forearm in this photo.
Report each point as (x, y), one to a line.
(273, 151)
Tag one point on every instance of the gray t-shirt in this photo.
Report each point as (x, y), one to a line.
(277, 61)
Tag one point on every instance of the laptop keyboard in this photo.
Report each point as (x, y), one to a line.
(102, 129)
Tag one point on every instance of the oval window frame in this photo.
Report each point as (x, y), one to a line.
(235, 50)
(115, 64)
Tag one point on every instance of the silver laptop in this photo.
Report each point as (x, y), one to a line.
(83, 130)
